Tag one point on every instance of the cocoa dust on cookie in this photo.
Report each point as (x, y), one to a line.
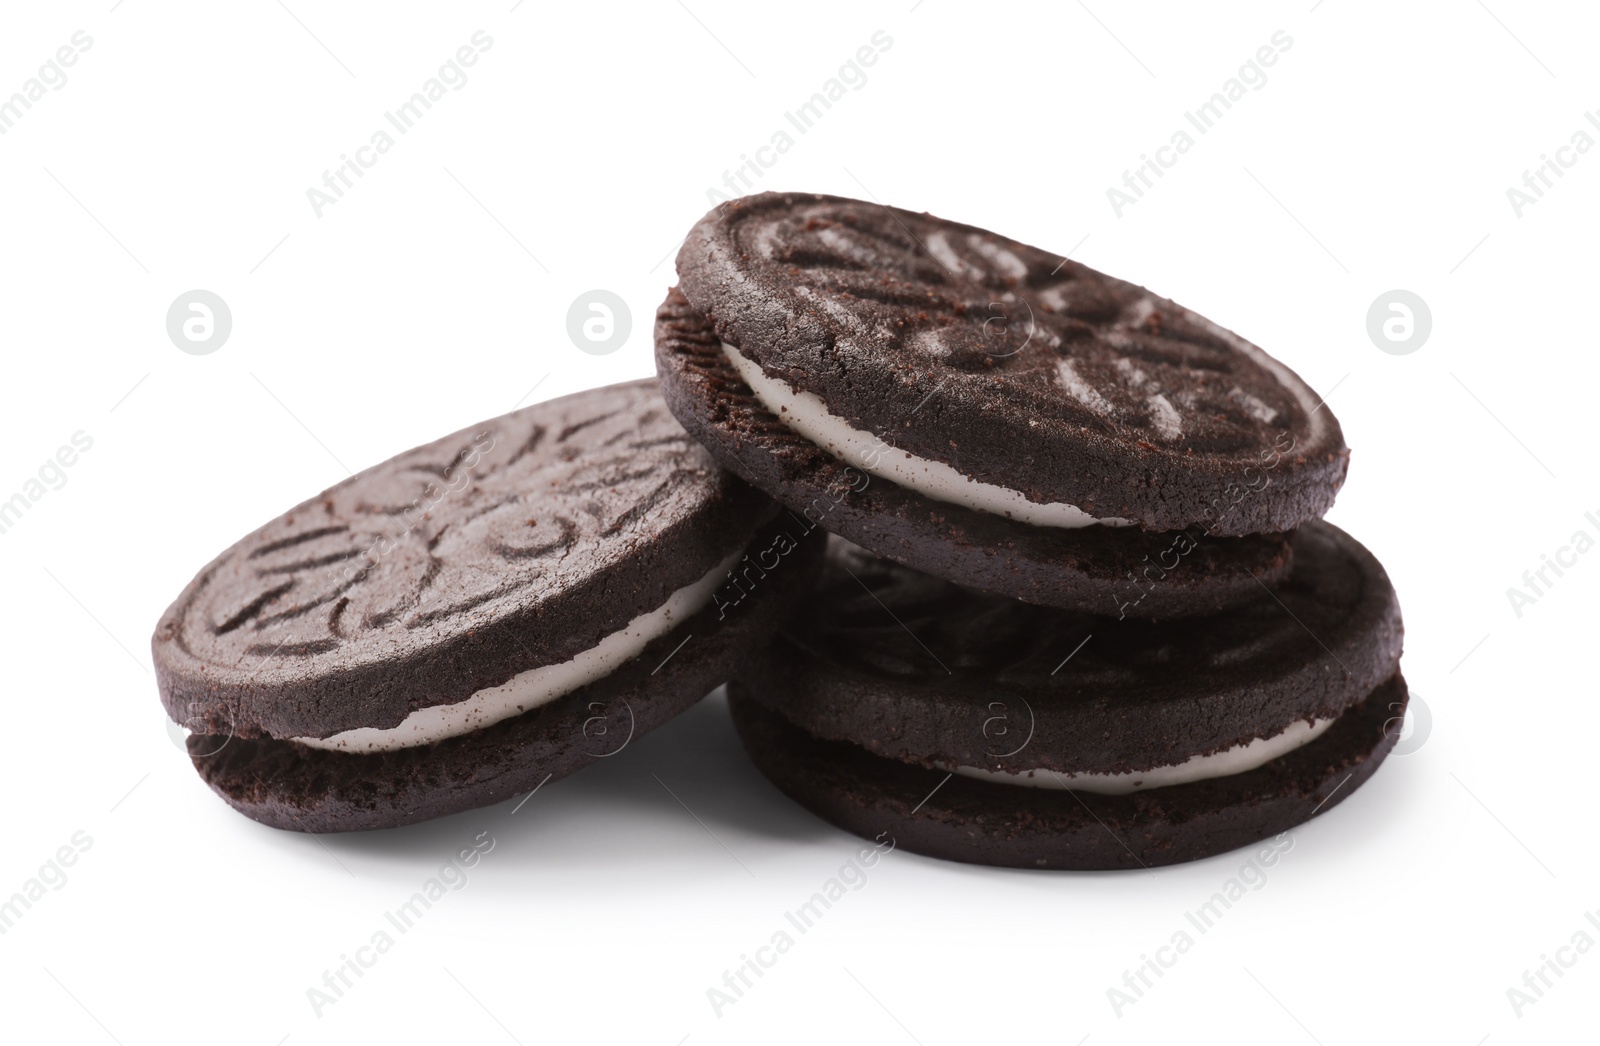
(988, 411)
(475, 616)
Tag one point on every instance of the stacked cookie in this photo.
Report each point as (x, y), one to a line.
(1078, 608)
(1086, 615)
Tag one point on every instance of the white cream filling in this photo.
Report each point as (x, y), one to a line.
(805, 414)
(1230, 761)
(536, 686)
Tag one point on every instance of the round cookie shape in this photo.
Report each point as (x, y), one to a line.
(1016, 367)
(919, 670)
(1120, 571)
(945, 815)
(297, 788)
(453, 567)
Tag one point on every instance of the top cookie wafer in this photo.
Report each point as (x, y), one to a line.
(476, 617)
(515, 544)
(1018, 369)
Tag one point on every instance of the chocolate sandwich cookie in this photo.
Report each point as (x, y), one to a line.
(476, 616)
(989, 412)
(979, 728)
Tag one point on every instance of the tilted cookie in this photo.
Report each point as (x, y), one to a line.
(475, 616)
(990, 412)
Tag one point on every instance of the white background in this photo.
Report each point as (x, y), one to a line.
(1376, 156)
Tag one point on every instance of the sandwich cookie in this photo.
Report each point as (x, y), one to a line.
(979, 728)
(989, 412)
(476, 616)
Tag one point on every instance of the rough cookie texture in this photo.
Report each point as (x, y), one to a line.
(960, 819)
(454, 567)
(924, 671)
(450, 568)
(290, 786)
(1013, 365)
(1118, 571)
